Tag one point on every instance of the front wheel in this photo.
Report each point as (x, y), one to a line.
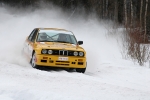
(81, 70)
(33, 60)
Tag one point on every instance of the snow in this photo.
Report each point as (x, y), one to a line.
(108, 75)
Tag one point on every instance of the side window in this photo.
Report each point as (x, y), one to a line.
(34, 35)
(31, 35)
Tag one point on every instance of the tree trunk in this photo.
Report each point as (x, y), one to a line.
(125, 10)
(103, 9)
(131, 24)
(145, 19)
(116, 11)
(141, 15)
(107, 8)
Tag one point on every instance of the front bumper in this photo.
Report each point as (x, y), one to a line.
(54, 61)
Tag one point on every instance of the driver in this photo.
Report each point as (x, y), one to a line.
(62, 37)
(43, 36)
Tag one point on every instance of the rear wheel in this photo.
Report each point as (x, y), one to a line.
(33, 60)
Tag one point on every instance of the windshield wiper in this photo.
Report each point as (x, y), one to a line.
(46, 41)
(63, 42)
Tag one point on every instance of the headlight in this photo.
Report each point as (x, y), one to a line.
(50, 51)
(44, 51)
(81, 53)
(75, 53)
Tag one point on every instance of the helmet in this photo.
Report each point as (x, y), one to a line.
(42, 36)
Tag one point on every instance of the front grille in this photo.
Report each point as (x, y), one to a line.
(70, 53)
(62, 64)
(55, 52)
(63, 52)
(63, 61)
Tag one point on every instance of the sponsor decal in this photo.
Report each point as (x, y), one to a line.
(74, 45)
(42, 42)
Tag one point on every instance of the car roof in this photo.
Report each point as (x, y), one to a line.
(55, 29)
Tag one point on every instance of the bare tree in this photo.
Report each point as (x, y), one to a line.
(125, 10)
(103, 8)
(116, 11)
(145, 19)
(141, 8)
(131, 24)
(107, 8)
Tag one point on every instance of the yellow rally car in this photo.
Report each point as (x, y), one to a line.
(54, 47)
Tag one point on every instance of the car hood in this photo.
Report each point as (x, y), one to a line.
(56, 45)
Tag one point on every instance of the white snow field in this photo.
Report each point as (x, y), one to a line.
(108, 75)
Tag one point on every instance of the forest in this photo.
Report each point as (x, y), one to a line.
(134, 15)
(127, 12)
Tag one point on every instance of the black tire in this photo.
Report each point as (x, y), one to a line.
(33, 61)
(81, 70)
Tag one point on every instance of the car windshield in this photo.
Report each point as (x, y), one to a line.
(56, 36)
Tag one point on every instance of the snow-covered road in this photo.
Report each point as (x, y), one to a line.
(108, 75)
(111, 83)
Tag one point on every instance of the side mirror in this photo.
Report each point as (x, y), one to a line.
(80, 42)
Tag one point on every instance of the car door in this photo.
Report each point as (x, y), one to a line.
(31, 41)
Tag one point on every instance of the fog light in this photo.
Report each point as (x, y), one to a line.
(45, 57)
(80, 60)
